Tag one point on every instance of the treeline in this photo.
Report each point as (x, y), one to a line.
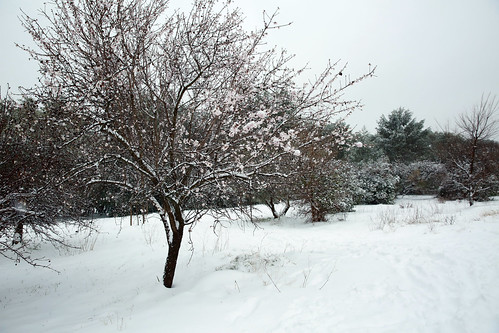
(401, 158)
(461, 164)
(40, 170)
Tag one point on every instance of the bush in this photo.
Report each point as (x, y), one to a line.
(419, 178)
(326, 190)
(454, 187)
(376, 183)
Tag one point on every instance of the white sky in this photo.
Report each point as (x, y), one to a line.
(433, 57)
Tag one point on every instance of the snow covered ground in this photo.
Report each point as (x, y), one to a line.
(417, 266)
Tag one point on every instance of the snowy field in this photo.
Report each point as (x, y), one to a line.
(417, 266)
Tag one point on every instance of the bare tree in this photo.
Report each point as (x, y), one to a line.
(175, 96)
(476, 127)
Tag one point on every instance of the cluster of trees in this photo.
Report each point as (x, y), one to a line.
(180, 114)
(458, 164)
(170, 112)
(402, 157)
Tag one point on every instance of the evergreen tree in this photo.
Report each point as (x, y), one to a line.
(401, 137)
(364, 148)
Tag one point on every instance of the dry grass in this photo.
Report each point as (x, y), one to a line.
(490, 213)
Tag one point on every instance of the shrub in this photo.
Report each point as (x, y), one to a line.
(376, 183)
(418, 178)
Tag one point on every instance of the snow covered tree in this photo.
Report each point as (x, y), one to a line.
(477, 126)
(326, 190)
(364, 148)
(322, 182)
(174, 94)
(34, 193)
(471, 155)
(401, 137)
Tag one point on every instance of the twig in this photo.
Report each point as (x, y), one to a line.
(237, 286)
(327, 280)
(266, 272)
(191, 243)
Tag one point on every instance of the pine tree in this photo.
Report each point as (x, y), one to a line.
(401, 137)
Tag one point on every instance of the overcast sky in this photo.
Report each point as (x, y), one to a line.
(433, 57)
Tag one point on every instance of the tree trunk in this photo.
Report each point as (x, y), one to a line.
(171, 259)
(472, 171)
(285, 209)
(270, 204)
(471, 199)
(318, 215)
(174, 227)
(18, 233)
(131, 216)
(275, 213)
